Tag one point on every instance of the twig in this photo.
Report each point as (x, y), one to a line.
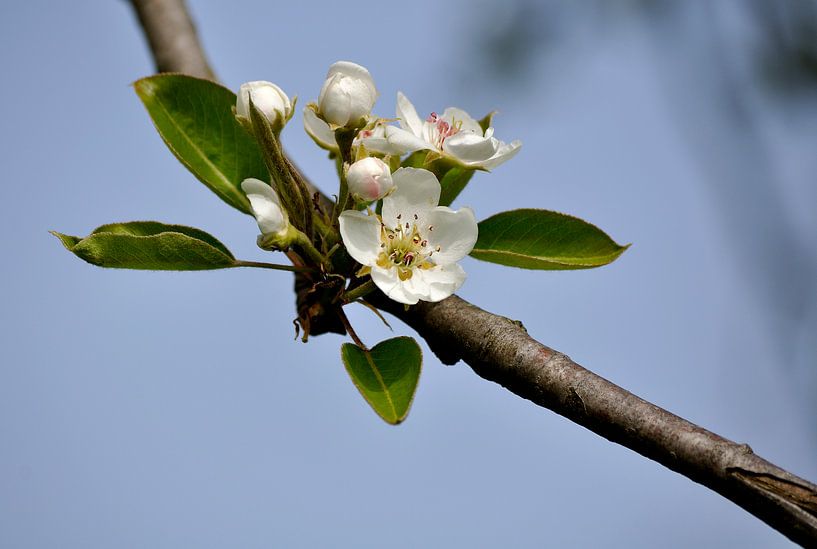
(500, 350)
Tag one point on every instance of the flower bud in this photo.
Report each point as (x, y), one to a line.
(267, 98)
(347, 95)
(369, 179)
(266, 207)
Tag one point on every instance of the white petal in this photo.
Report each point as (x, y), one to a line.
(319, 131)
(455, 116)
(334, 101)
(391, 285)
(347, 95)
(471, 149)
(503, 154)
(265, 206)
(439, 282)
(361, 236)
(417, 191)
(267, 98)
(409, 120)
(353, 70)
(455, 232)
(379, 145)
(405, 141)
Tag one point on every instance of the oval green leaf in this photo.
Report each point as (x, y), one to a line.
(149, 245)
(544, 240)
(196, 121)
(386, 375)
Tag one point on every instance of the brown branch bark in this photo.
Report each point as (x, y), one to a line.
(172, 37)
(500, 350)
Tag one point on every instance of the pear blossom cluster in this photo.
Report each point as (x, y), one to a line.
(408, 244)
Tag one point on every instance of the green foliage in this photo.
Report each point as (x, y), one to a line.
(453, 183)
(149, 245)
(195, 119)
(386, 375)
(545, 240)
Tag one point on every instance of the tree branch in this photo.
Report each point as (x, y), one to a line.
(500, 350)
(172, 37)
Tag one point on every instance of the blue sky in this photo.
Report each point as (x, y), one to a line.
(176, 409)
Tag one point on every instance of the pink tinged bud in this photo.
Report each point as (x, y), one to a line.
(369, 179)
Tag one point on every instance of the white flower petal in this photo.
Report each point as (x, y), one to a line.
(409, 120)
(267, 98)
(319, 131)
(471, 149)
(334, 101)
(439, 282)
(347, 95)
(361, 236)
(455, 232)
(352, 70)
(405, 141)
(379, 145)
(455, 116)
(265, 206)
(417, 191)
(503, 154)
(390, 284)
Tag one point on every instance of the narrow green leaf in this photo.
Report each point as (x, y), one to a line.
(386, 375)
(485, 122)
(196, 121)
(545, 240)
(149, 245)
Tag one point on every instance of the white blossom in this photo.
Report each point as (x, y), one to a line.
(369, 179)
(412, 249)
(454, 134)
(266, 207)
(347, 95)
(267, 98)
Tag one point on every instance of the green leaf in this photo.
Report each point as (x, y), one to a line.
(386, 375)
(417, 159)
(195, 119)
(453, 182)
(541, 239)
(150, 245)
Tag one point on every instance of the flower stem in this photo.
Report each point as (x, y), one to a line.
(273, 266)
(351, 331)
(303, 242)
(361, 291)
(344, 138)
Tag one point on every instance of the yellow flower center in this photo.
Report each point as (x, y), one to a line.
(404, 248)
